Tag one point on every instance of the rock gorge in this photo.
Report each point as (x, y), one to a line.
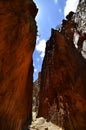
(62, 97)
(62, 81)
(18, 32)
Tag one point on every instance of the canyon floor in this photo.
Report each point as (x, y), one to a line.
(42, 124)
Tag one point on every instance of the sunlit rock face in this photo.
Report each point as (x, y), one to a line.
(80, 19)
(17, 40)
(80, 16)
(63, 79)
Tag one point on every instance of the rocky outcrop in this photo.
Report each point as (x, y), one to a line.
(80, 16)
(80, 19)
(17, 41)
(63, 79)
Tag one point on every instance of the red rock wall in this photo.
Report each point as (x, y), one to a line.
(63, 81)
(17, 41)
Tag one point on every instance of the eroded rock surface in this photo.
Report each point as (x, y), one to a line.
(63, 79)
(36, 89)
(17, 41)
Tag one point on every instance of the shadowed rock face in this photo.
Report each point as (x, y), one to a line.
(63, 84)
(17, 41)
(36, 89)
(63, 80)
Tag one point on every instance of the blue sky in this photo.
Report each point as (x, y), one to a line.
(50, 14)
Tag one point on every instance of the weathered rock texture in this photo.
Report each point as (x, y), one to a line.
(63, 79)
(80, 19)
(17, 40)
(36, 89)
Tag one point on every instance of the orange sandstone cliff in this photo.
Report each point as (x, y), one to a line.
(63, 77)
(17, 41)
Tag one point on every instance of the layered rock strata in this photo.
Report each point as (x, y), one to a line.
(17, 41)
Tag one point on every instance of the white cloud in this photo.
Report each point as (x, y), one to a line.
(56, 1)
(37, 39)
(35, 70)
(41, 47)
(71, 5)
